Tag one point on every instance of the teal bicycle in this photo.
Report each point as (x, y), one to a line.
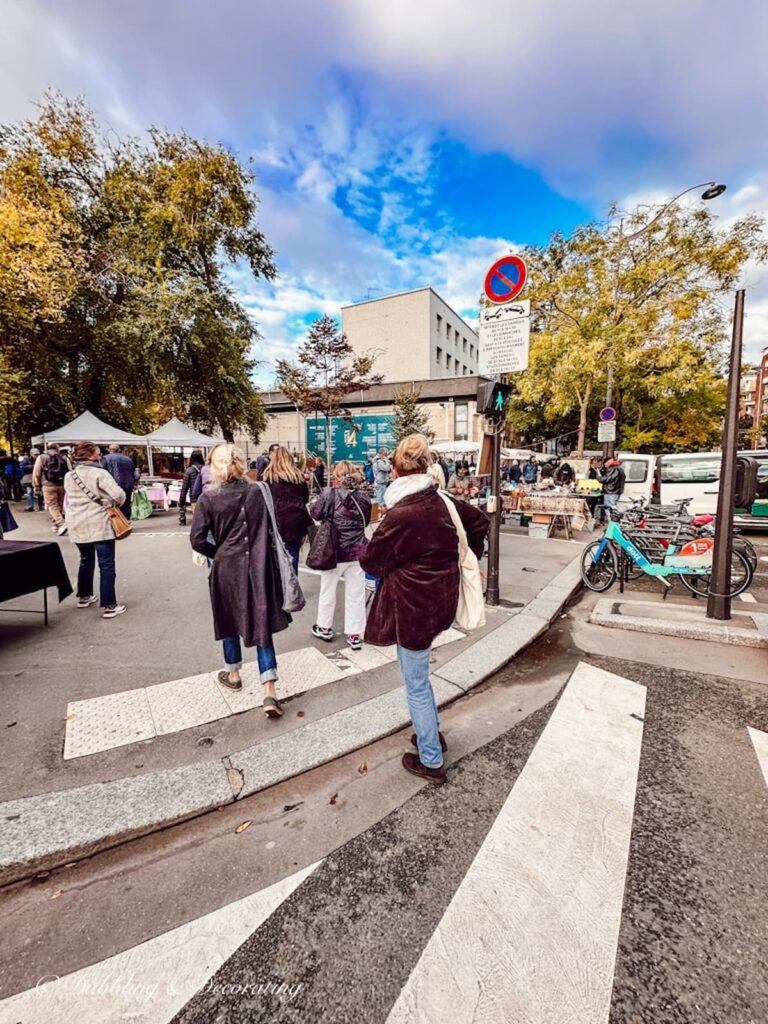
(606, 560)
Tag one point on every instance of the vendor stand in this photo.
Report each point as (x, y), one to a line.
(550, 510)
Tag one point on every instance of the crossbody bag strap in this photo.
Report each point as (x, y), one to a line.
(267, 495)
(362, 516)
(86, 490)
(453, 512)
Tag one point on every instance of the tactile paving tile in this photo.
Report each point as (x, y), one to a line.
(448, 637)
(102, 723)
(185, 703)
(371, 657)
(297, 672)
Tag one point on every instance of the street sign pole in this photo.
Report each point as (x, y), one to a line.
(492, 587)
(610, 446)
(719, 600)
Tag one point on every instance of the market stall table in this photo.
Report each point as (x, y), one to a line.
(566, 511)
(27, 566)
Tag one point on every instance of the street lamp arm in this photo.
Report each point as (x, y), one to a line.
(705, 185)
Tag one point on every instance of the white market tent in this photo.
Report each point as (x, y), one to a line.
(175, 434)
(87, 427)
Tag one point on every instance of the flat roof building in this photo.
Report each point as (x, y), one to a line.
(417, 334)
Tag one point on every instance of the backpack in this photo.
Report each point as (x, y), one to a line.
(55, 469)
(368, 470)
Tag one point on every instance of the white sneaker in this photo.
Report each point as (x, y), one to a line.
(110, 613)
(86, 602)
(62, 529)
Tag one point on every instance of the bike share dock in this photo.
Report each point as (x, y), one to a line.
(745, 628)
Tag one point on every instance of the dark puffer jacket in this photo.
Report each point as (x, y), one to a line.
(350, 511)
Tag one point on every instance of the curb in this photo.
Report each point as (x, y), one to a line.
(604, 614)
(43, 832)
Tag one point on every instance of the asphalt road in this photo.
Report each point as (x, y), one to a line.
(691, 936)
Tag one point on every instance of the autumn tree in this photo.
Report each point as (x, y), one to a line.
(409, 417)
(327, 370)
(647, 306)
(114, 293)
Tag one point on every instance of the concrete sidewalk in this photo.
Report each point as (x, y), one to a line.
(59, 809)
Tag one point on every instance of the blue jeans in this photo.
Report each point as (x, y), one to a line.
(233, 658)
(105, 551)
(293, 547)
(610, 501)
(30, 493)
(379, 491)
(414, 667)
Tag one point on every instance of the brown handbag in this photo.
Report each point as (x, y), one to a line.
(120, 525)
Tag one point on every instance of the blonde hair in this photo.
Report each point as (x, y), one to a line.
(412, 455)
(227, 463)
(282, 467)
(345, 473)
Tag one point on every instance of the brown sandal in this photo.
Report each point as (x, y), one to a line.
(224, 679)
(272, 707)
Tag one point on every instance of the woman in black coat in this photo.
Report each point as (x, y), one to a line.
(290, 496)
(415, 553)
(246, 594)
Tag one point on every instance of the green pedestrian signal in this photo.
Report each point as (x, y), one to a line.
(492, 398)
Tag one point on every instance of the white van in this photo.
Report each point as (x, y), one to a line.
(639, 474)
(696, 475)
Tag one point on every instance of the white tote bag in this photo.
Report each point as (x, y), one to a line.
(470, 611)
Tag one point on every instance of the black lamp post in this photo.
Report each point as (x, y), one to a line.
(719, 600)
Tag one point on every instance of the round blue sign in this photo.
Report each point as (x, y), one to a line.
(607, 414)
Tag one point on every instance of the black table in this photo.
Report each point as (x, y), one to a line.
(27, 566)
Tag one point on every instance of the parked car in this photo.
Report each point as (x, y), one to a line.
(696, 475)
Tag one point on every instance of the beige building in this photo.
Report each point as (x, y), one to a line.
(417, 334)
(451, 405)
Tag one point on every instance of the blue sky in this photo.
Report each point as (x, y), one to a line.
(412, 142)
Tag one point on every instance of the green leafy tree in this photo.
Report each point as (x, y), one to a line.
(409, 418)
(648, 306)
(114, 293)
(327, 371)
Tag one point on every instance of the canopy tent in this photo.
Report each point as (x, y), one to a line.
(87, 427)
(457, 447)
(175, 434)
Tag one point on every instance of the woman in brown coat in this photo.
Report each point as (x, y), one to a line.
(290, 496)
(246, 594)
(415, 553)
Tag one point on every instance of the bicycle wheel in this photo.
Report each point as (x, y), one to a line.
(741, 577)
(601, 575)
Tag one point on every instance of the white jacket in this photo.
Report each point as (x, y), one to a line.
(86, 520)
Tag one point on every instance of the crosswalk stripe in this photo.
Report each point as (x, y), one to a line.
(150, 983)
(531, 933)
(760, 743)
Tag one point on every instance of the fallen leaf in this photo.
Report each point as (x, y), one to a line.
(334, 798)
(363, 769)
(55, 895)
(244, 825)
(69, 718)
(300, 714)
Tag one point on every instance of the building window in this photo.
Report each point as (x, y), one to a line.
(439, 356)
(448, 362)
(471, 351)
(439, 323)
(463, 344)
(456, 337)
(447, 331)
(464, 370)
(460, 421)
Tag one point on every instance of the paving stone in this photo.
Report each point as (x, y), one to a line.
(102, 723)
(283, 757)
(298, 671)
(703, 629)
(498, 647)
(448, 637)
(371, 657)
(40, 832)
(185, 703)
